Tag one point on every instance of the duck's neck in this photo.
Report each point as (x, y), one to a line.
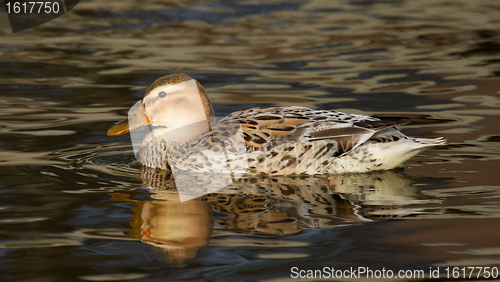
(159, 141)
(182, 134)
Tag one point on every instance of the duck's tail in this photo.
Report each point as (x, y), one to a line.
(426, 142)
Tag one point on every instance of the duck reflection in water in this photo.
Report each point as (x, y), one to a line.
(278, 205)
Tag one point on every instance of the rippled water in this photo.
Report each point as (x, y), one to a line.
(74, 203)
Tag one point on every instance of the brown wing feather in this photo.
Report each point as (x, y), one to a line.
(350, 137)
(340, 132)
(381, 123)
(269, 127)
(262, 126)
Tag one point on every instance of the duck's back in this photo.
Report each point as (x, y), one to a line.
(299, 140)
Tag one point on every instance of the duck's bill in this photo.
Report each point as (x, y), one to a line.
(136, 119)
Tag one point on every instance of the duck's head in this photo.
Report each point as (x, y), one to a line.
(174, 102)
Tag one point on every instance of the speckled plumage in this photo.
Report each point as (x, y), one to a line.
(282, 140)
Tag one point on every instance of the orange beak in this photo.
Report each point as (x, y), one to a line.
(136, 119)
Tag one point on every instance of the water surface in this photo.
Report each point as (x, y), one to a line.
(74, 204)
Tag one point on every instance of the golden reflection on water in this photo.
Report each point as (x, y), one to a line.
(264, 205)
(175, 229)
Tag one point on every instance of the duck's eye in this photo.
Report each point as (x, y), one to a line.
(162, 94)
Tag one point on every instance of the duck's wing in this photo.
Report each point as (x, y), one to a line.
(265, 128)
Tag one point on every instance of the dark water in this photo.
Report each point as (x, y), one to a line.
(73, 203)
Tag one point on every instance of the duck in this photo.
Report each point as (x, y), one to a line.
(184, 135)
